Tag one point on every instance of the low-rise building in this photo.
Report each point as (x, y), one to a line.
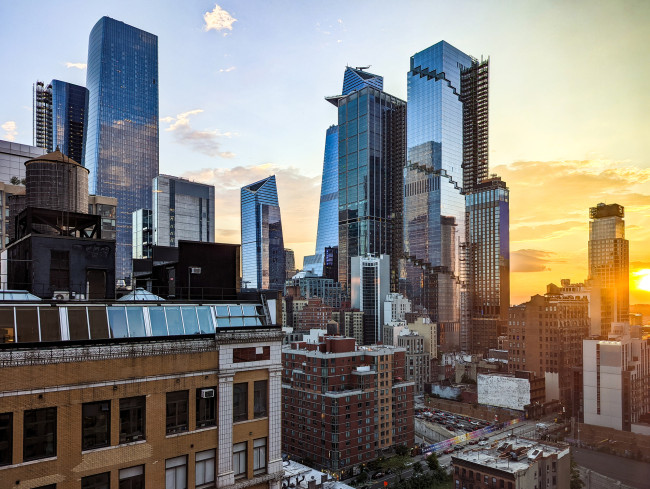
(138, 394)
(344, 405)
(514, 464)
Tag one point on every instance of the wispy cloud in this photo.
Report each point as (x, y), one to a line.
(207, 142)
(10, 130)
(226, 70)
(79, 66)
(531, 260)
(218, 20)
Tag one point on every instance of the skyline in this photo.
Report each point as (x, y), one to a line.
(551, 107)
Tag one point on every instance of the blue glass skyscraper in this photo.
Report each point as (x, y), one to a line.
(262, 243)
(60, 118)
(328, 214)
(434, 206)
(122, 136)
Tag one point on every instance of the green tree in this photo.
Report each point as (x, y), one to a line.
(402, 450)
(14, 181)
(397, 465)
(575, 481)
(417, 468)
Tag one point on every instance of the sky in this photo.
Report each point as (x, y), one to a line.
(242, 87)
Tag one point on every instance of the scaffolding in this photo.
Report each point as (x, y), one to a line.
(42, 110)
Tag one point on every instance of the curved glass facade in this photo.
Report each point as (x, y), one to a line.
(122, 136)
(69, 115)
(263, 259)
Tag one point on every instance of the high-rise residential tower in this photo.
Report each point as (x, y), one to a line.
(60, 118)
(328, 212)
(122, 136)
(371, 158)
(263, 258)
(609, 263)
(488, 254)
(434, 206)
(182, 210)
(369, 287)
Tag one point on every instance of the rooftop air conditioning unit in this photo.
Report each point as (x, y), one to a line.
(61, 295)
(207, 393)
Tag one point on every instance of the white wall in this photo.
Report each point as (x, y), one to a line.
(502, 391)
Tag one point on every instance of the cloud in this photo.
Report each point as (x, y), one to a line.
(340, 21)
(298, 195)
(531, 260)
(10, 130)
(218, 19)
(79, 66)
(207, 142)
(227, 70)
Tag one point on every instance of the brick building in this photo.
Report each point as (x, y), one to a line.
(350, 323)
(314, 315)
(545, 337)
(514, 464)
(344, 405)
(142, 394)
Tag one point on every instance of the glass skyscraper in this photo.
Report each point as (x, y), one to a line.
(262, 243)
(122, 136)
(60, 118)
(434, 206)
(609, 263)
(328, 215)
(372, 153)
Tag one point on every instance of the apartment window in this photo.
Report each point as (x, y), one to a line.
(132, 419)
(176, 473)
(260, 398)
(98, 481)
(177, 411)
(240, 402)
(6, 438)
(239, 459)
(96, 425)
(39, 434)
(132, 478)
(259, 456)
(206, 403)
(205, 467)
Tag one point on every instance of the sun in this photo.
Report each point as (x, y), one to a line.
(643, 279)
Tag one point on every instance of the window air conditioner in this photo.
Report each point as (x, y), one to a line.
(207, 393)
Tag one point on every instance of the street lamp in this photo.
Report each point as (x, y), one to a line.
(190, 271)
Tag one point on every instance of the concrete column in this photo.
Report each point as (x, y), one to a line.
(225, 475)
(275, 420)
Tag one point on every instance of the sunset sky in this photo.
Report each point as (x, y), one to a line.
(242, 86)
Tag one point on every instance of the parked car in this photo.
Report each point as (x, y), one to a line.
(449, 450)
(483, 443)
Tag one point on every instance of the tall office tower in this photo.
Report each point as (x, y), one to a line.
(488, 250)
(142, 234)
(372, 153)
(474, 96)
(122, 135)
(609, 263)
(60, 118)
(369, 287)
(263, 259)
(182, 210)
(328, 210)
(434, 207)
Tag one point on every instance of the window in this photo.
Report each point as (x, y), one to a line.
(240, 402)
(205, 463)
(259, 456)
(39, 434)
(205, 407)
(260, 396)
(59, 270)
(132, 419)
(176, 473)
(177, 411)
(96, 425)
(239, 459)
(132, 478)
(98, 481)
(6, 438)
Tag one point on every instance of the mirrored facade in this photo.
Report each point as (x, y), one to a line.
(434, 207)
(122, 136)
(372, 152)
(263, 258)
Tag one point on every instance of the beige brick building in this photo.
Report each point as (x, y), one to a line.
(132, 401)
